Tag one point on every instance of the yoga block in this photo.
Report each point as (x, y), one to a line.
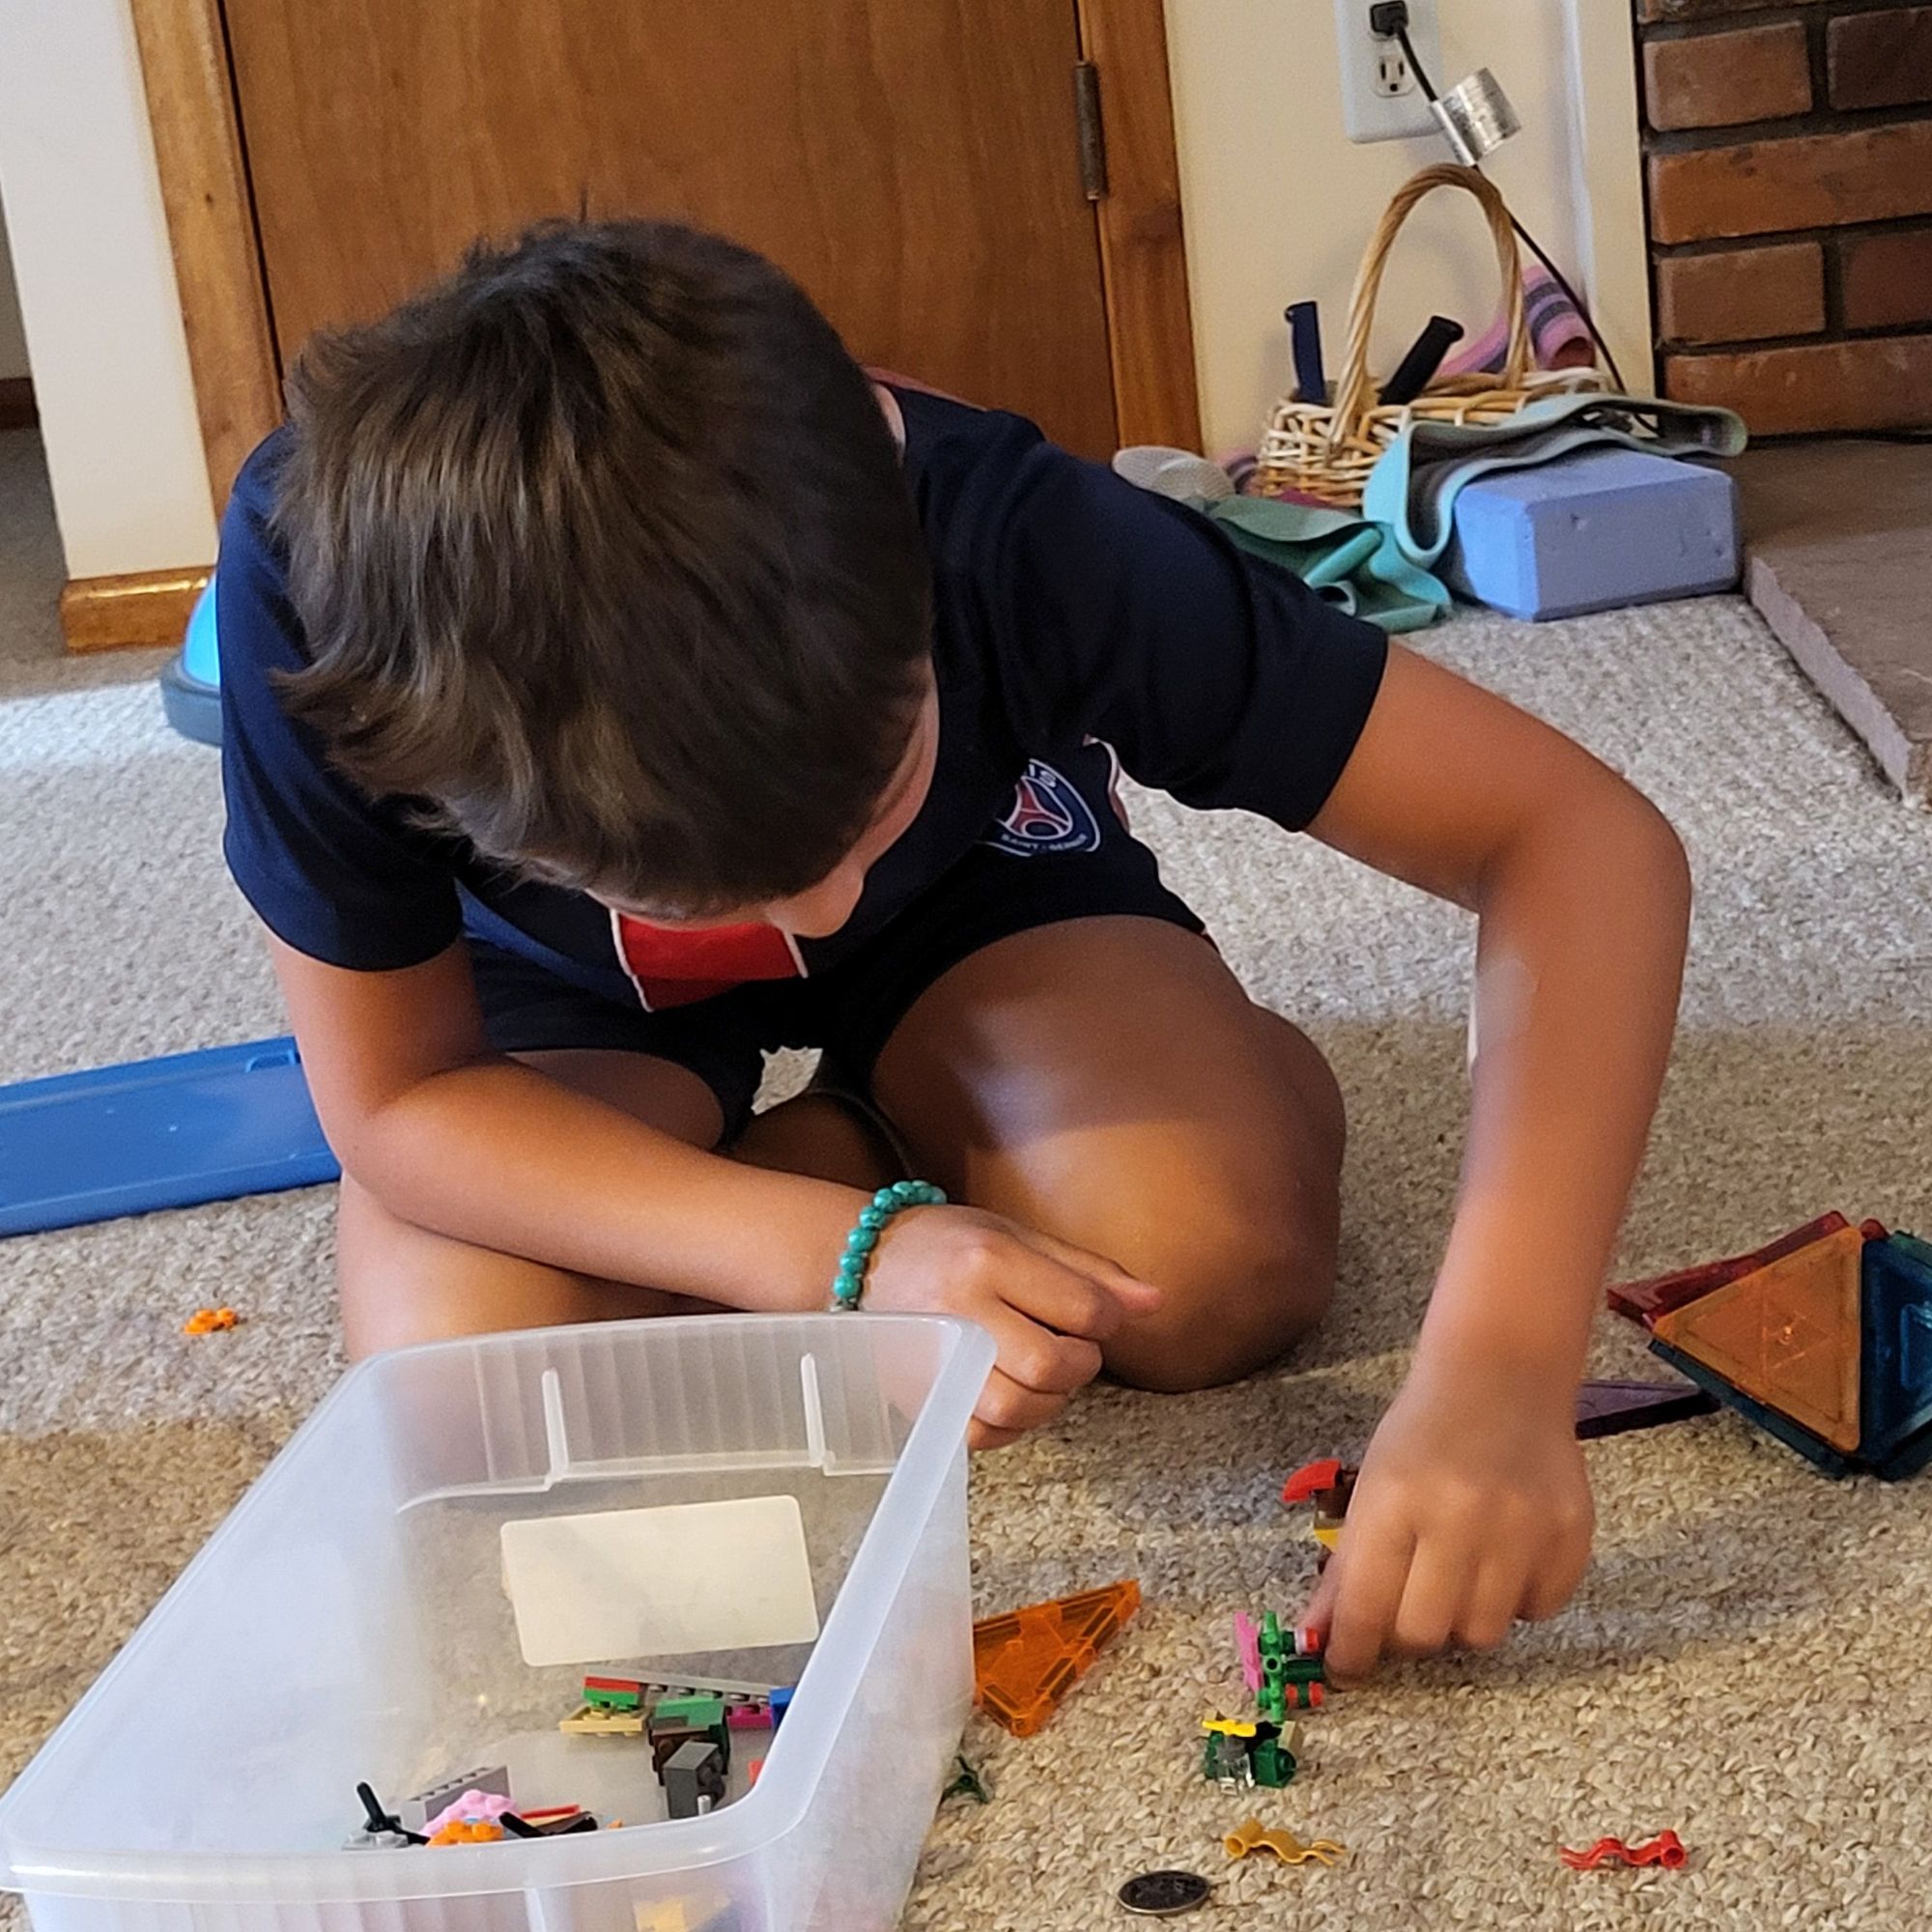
(1593, 531)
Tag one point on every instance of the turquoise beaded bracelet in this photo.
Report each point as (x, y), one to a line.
(849, 1283)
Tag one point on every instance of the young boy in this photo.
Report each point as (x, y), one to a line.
(618, 684)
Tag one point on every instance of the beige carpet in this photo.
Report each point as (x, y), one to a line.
(1744, 1662)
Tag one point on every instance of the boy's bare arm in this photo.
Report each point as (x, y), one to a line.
(1473, 1508)
(479, 1146)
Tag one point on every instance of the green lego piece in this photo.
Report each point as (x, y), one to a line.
(612, 1701)
(1273, 1763)
(1271, 1698)
(700, 1712)
(1303, 1670)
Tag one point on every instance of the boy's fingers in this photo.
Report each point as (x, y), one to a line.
(1490, 1608)
(1438, 1583)
(980, 1436)
(1319, 1612)
(1370, 1571)
(1035, 1358)
(1053, 1289)
(1123, 1295)
(1011, 1408)
(1553, 1580)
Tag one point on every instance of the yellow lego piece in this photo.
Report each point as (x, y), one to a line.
(1329, 1536)
(1248, 1836)
(589, 1722)
(1231, 1728)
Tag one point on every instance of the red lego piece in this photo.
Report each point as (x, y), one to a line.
(1666, 1849)
(1645, 1301)
(1311, 1479)
(1025, 1662)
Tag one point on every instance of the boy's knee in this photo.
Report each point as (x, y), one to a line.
(1240, 1294)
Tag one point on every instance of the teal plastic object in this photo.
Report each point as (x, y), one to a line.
(1895, 1371)
(192, 681)
(157, 1133)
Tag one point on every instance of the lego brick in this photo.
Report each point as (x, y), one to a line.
(697, 1713)
(1615, 1409)
(588, 1721)
(1645, 1301)
(1788, 1336)
(1811, 1447)
(1895, 1379)
(780, 1703)
(415, 1812)
(1025, 1662)
(693, 1779)
(1593, 531)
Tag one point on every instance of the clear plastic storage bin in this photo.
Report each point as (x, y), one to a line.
(350, 1621)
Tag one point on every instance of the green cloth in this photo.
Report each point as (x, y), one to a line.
(1412, 489)
(1346, 558)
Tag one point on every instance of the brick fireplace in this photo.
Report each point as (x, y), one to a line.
(1789, 161)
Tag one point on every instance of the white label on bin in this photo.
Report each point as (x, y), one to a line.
(659, 1582)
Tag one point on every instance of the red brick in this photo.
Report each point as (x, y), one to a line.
(1717, 80)
(1703, 10)
(1882, 59)
(1742, 295)
(1880, 381)
(1888, 279)
(1814, 181)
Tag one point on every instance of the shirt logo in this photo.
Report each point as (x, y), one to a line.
(1048, 816)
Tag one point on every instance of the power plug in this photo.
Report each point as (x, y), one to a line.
(1382, 99)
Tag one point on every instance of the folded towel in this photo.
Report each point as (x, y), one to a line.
(1346, 558)
(1412, 489)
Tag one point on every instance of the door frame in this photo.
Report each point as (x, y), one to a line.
(223, 279)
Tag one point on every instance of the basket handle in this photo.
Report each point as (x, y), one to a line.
(1355, 392)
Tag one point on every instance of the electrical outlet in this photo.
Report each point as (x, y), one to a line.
(1381, 98)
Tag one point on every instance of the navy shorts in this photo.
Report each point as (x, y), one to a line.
(849, 1011)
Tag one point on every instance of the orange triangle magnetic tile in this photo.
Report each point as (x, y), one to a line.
(1025, 1662)
(1788, 1335)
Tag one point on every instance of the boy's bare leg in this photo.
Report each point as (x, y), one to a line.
(1108, 1081)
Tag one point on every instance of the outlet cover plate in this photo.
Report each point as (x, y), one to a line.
(1382, 100)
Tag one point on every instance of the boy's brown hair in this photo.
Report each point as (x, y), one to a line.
(606, 558)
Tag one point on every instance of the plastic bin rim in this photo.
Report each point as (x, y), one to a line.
(329, 1877)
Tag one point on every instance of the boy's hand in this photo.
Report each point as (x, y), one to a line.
(1047, 1305)
(1473, 1509)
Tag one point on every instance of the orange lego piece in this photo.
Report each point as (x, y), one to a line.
(1788, 1335)
(1025, 1662)
(205, 1321)
(469, 1831)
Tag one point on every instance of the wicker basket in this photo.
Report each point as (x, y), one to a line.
(1326, 450)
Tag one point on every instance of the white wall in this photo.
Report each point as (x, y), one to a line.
(97, 291)
(13, 339)
(1279, 204)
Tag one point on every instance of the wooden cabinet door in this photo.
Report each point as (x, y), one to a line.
(915, 163)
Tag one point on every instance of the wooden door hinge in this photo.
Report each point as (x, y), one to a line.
(1093, 131)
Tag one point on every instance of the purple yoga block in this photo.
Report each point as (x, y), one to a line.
(1593, 531)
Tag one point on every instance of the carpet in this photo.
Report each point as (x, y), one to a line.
(1738, 1664)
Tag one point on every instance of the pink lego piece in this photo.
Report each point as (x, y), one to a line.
(1249, 1647)
(748, 1717)
(473, 1804)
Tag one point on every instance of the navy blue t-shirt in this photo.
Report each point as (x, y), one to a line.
(1069, 607)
